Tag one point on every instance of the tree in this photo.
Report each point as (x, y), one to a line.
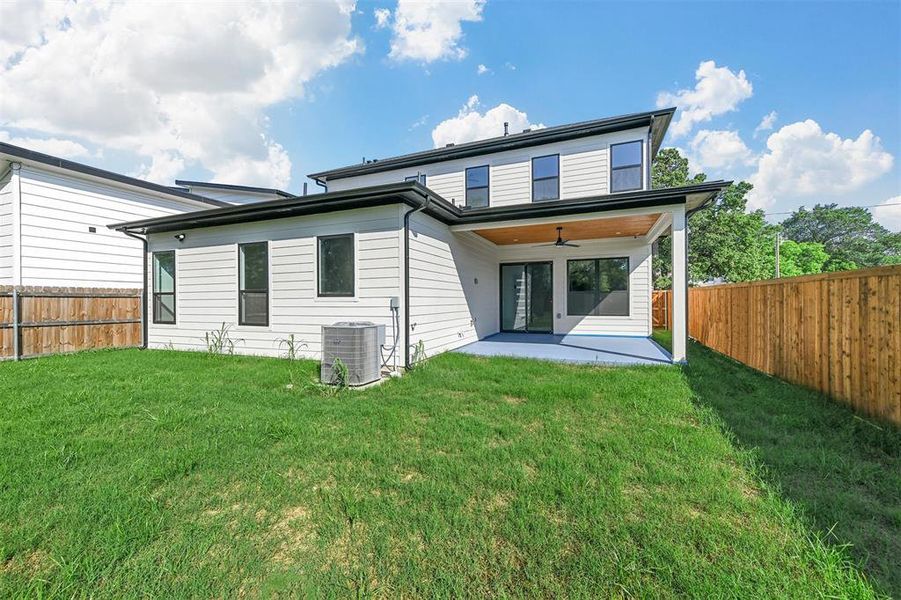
(725, 242)
(670, 169)
(849, 235)
(800, 258)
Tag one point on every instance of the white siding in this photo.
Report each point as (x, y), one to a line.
(448, 309)
(56, 245)
(638, 323)
(207, 280)
(7, 237)
(584, 171)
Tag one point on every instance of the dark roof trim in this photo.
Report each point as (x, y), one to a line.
(658, 120)
(414, 194)
(68, 165)
(229, 186)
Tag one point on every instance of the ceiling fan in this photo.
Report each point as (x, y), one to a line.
(560, 243)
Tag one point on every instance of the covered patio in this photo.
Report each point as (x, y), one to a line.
(579, 349)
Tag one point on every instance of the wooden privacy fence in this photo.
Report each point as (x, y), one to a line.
(662, 309)
(839, 333)
(36, 321)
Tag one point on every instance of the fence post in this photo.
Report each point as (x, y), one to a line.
(17, 350)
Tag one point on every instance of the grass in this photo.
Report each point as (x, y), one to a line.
(842, 470)
(159, 473)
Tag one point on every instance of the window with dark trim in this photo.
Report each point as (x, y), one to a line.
(253, 284)
(597, 287)
(625, 166)
(421, 178)
(336, 265)
(164, 287)
(546, 178)
(477, 187)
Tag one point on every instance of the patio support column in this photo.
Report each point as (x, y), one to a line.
(680, 286)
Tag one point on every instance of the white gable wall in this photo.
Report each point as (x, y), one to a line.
(57, 248)
(584, 171)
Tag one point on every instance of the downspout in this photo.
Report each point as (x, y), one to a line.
(407, 216)
(324, 186)
(143, 289)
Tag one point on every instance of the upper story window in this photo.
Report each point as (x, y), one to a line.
(477, 187)
(164, 287)
(420, 178)
(546, 178)
(625, 166)
(253, 284)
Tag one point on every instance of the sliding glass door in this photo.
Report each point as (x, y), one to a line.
(527, 297)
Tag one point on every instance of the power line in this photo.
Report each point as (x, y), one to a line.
(791, 212)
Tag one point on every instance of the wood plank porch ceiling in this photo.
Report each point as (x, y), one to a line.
(572, 230)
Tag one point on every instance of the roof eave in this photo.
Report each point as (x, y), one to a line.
(658, 119)
(17, 153)
(233, 187)
(414, 195)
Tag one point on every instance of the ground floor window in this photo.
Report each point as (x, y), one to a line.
(253, 284)
(336, 265)
(164, 287)
(598, 287)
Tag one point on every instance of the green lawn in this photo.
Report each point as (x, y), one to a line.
(156, 473)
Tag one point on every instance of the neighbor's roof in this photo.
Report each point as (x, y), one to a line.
(232, 187)
(415, 194)
(14, 153)
(658, 120)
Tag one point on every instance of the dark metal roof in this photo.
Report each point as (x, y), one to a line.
(658, 120)
(233, 187)
(415, 194)
(68, 165)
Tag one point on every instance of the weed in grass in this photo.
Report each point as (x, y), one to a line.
(220, 341)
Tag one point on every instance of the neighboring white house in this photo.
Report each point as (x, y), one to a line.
(542, 231)
(232, 194)
(54, 215)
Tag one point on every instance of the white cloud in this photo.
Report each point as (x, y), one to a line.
(382, 16)
(888, 213)
(430, 30)
(718, 149)
(717, 91)
(175, 83)
(510, 66)
(164, 168)
(54, 146)
(766, 123)
(802, 160)
(482, 69)
(470, 124)
(419, 122)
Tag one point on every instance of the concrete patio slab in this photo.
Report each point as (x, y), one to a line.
(586, 349)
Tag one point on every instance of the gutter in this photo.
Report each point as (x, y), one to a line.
(143, 288)
(407, 216)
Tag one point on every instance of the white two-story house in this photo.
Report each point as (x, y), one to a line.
(543, 231)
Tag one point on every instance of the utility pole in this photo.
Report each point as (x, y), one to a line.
(778, 243)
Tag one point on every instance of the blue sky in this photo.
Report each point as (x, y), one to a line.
(830, 71)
